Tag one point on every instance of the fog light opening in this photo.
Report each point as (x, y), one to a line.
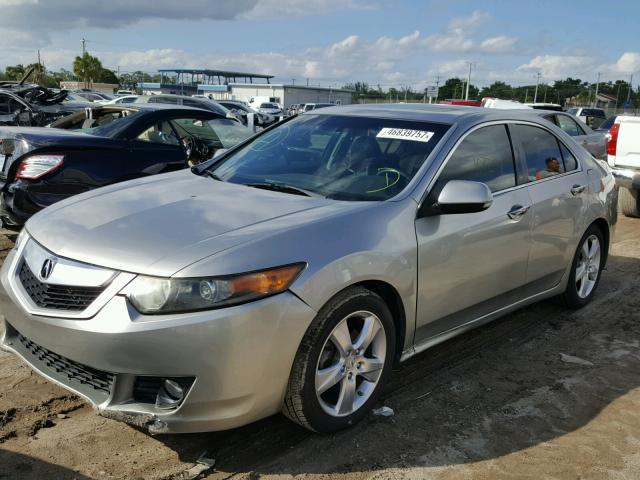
(170, 395)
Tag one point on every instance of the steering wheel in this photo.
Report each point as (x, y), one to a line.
(189, 146)
(392, 177)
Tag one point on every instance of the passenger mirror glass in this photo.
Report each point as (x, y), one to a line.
(463, 196)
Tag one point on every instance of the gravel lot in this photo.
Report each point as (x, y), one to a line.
(499, 402)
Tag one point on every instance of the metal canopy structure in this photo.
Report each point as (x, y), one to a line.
(208, 76)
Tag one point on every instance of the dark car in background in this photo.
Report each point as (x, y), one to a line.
(101, 146)
(32, 105)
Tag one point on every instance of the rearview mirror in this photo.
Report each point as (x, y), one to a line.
(462, 196)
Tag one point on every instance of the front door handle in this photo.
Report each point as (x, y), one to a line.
(517, 211)
(577, 189)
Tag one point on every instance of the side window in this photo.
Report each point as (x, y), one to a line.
(570, 162)
(161, 133)
(4, 105)
(483, 156)
(541, 151)
(192, 103)
(569, 126)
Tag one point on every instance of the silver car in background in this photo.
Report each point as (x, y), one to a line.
(594, 142)
(293, 271)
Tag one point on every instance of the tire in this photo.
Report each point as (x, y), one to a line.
(628, 202)
(329, 402)
(580, 292)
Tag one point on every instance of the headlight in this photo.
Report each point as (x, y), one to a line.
(157, 295)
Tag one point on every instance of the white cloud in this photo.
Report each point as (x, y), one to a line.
(474, 20)
(457, 38)
(501, 44)
(560, 66)
(628, 63)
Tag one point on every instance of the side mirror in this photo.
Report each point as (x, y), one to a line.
(462, 196)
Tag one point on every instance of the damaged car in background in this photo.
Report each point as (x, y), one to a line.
(103, 145)
(30, 105)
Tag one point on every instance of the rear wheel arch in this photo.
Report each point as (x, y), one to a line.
(604, 228)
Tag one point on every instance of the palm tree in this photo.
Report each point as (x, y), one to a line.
(87, 68)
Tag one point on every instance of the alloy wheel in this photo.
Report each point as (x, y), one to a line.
(588, 267)
(350, 363)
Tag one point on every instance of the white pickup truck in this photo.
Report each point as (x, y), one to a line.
(623, 155)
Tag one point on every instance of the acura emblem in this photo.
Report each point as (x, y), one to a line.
(47, 268)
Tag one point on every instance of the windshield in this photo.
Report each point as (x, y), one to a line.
(340, 157)
(220, 132)
(269, 105)
(115, 127)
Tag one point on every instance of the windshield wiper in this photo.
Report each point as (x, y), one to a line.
(284, 188)
(206, 172)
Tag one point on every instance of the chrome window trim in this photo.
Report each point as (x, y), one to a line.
(119, 281)
(443, 164)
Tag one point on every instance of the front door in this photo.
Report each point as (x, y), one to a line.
(472, 264)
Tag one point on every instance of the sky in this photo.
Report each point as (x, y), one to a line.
(335, 42)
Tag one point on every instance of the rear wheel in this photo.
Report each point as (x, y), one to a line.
(628, 202)
(586, 269)
(341, 363)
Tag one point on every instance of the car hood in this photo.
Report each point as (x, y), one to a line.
(159, 226)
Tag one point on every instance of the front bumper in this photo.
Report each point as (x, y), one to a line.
(627, 177)
(240, 357)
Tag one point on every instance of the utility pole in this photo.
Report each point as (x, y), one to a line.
(307, 81)
(526, 95)
(437, 87)
(293, 82)
(595, 103)
(84, 46)
(466, 95)
(535, 95)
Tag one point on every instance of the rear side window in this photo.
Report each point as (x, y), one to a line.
(569, 125)
(541, 151)
(485, 155)
(570, 162)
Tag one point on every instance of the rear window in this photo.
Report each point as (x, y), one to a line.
(541, 149)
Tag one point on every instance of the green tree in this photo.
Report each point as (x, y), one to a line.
(107, 76)
(15, 72)
(456, 88)
(498, 90)
(87, 68)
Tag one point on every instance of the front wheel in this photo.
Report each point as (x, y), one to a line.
(586, 269)
(341, 363)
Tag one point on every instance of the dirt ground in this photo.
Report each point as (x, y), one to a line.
(497, 403)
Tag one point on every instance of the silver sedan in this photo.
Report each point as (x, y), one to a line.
(291, 273)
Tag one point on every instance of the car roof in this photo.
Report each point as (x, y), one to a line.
(448, 114)
(146, 106)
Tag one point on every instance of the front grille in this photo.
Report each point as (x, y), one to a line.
(58, 297)
(76, 374)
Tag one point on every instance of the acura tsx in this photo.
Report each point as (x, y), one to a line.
(291, 273)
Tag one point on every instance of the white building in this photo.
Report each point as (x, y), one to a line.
(285, 95)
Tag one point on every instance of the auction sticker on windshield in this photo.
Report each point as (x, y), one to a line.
(405, 134)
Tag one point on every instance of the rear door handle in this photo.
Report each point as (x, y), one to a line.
(577, 189)
(517, 211)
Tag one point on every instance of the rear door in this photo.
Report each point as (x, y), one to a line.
(557, 187)
(472, 264)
